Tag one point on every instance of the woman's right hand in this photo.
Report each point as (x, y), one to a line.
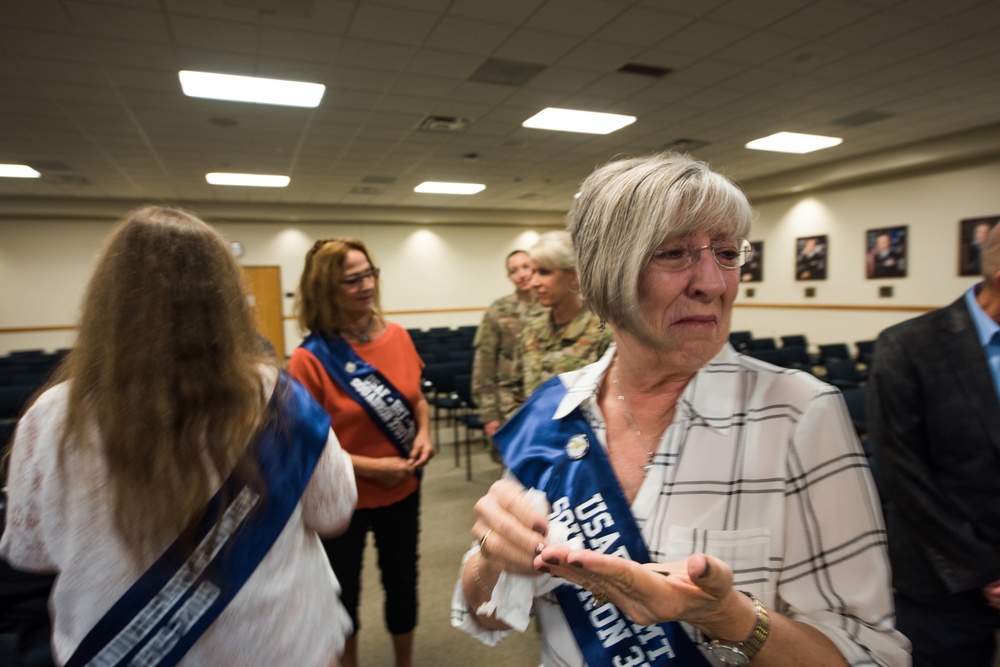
(509, 529)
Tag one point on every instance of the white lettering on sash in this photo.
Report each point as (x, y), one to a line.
(593, 519)
(562, 513)
(635, 658)
(179, 583)
(179, 624)
(391, 411)
(649, 633)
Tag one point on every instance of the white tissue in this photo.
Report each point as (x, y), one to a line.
(514, 593)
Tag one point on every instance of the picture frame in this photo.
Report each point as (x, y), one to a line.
(753, 271)
(971, 234)
(811, 257)
(886, 252)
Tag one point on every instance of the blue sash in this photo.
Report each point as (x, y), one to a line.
(165, 612)
(564, 459)
(385, 404)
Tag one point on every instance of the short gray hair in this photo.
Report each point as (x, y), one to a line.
(628, 207)
(554, 250)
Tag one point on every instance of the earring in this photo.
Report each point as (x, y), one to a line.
(602, 326)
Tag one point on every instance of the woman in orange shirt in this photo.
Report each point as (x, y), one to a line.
(366, 372)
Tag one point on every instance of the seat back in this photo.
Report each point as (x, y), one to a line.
(441, 376)
(795, 340)
(738, 339)
(795, 356)
(761, 344)
(843, 373)
(770, 356)
(833, 351)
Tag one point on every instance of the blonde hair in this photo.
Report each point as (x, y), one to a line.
(165, 383)
(319, 303)
(554, 250)
(627, 208)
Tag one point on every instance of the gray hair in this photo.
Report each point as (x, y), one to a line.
(990, 257)
(628, 207)
(554, 250)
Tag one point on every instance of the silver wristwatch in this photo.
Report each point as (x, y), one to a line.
(741, 653)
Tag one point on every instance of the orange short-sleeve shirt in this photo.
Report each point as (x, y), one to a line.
(395, 356)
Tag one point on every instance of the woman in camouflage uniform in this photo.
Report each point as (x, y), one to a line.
(570, 337)
(497, 336)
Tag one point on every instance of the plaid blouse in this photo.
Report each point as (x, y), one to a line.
(762, 468)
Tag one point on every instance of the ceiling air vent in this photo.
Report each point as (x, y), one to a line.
(645, 70)
(507, 72)
(442, 124)
(298, 7)
(684, 145)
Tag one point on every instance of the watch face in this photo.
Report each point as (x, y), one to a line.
(728, 654)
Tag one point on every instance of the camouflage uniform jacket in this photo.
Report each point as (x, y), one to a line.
(544, 351)
(493, 362)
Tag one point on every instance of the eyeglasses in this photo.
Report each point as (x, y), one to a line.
(729, 255)
(358, 278)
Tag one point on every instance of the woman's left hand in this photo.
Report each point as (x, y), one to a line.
(422, 450)
(698, 589)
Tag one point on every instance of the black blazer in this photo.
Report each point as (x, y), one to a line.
(934, 424)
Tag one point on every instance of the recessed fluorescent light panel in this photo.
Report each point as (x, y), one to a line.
(793, 142)
(252, 180)
(436, 188)
(570, 120)
(251, 89)
(17, 171)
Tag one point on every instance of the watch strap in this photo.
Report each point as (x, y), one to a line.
(751, 646)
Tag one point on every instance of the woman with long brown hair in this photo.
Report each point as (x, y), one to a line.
(174, 480)
(366, 372)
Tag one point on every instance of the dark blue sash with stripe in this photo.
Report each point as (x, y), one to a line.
(165, 612)
(564, 459)
(386, 405)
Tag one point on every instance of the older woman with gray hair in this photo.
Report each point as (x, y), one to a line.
(677, 503)
(567, 337)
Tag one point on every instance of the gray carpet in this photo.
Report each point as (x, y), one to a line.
(446, 521)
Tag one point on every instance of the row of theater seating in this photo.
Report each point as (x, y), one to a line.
(447, 353)
(447, 381)
(22, 374)
(834, 362)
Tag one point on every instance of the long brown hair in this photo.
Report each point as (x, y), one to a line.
(164, 379)
(319, 303)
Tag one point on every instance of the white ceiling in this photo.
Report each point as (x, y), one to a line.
(89, 95)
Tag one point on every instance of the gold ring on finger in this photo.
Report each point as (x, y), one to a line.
(482, 543)
(599, 600)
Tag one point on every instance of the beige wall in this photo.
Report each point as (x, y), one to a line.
(44, 265)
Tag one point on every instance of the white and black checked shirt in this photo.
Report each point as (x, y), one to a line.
(761, 467)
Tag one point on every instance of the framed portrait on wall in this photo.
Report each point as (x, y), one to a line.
(811, 257)
(753, 271)
(885, 252)
(972, 233)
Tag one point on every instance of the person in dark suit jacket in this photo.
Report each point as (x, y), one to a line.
(934, 424)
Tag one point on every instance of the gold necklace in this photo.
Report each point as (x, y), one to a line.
(631, 422)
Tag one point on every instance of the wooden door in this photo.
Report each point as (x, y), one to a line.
(264, 286)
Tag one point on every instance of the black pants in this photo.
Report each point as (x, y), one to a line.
(944, 638)
(396, 528)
